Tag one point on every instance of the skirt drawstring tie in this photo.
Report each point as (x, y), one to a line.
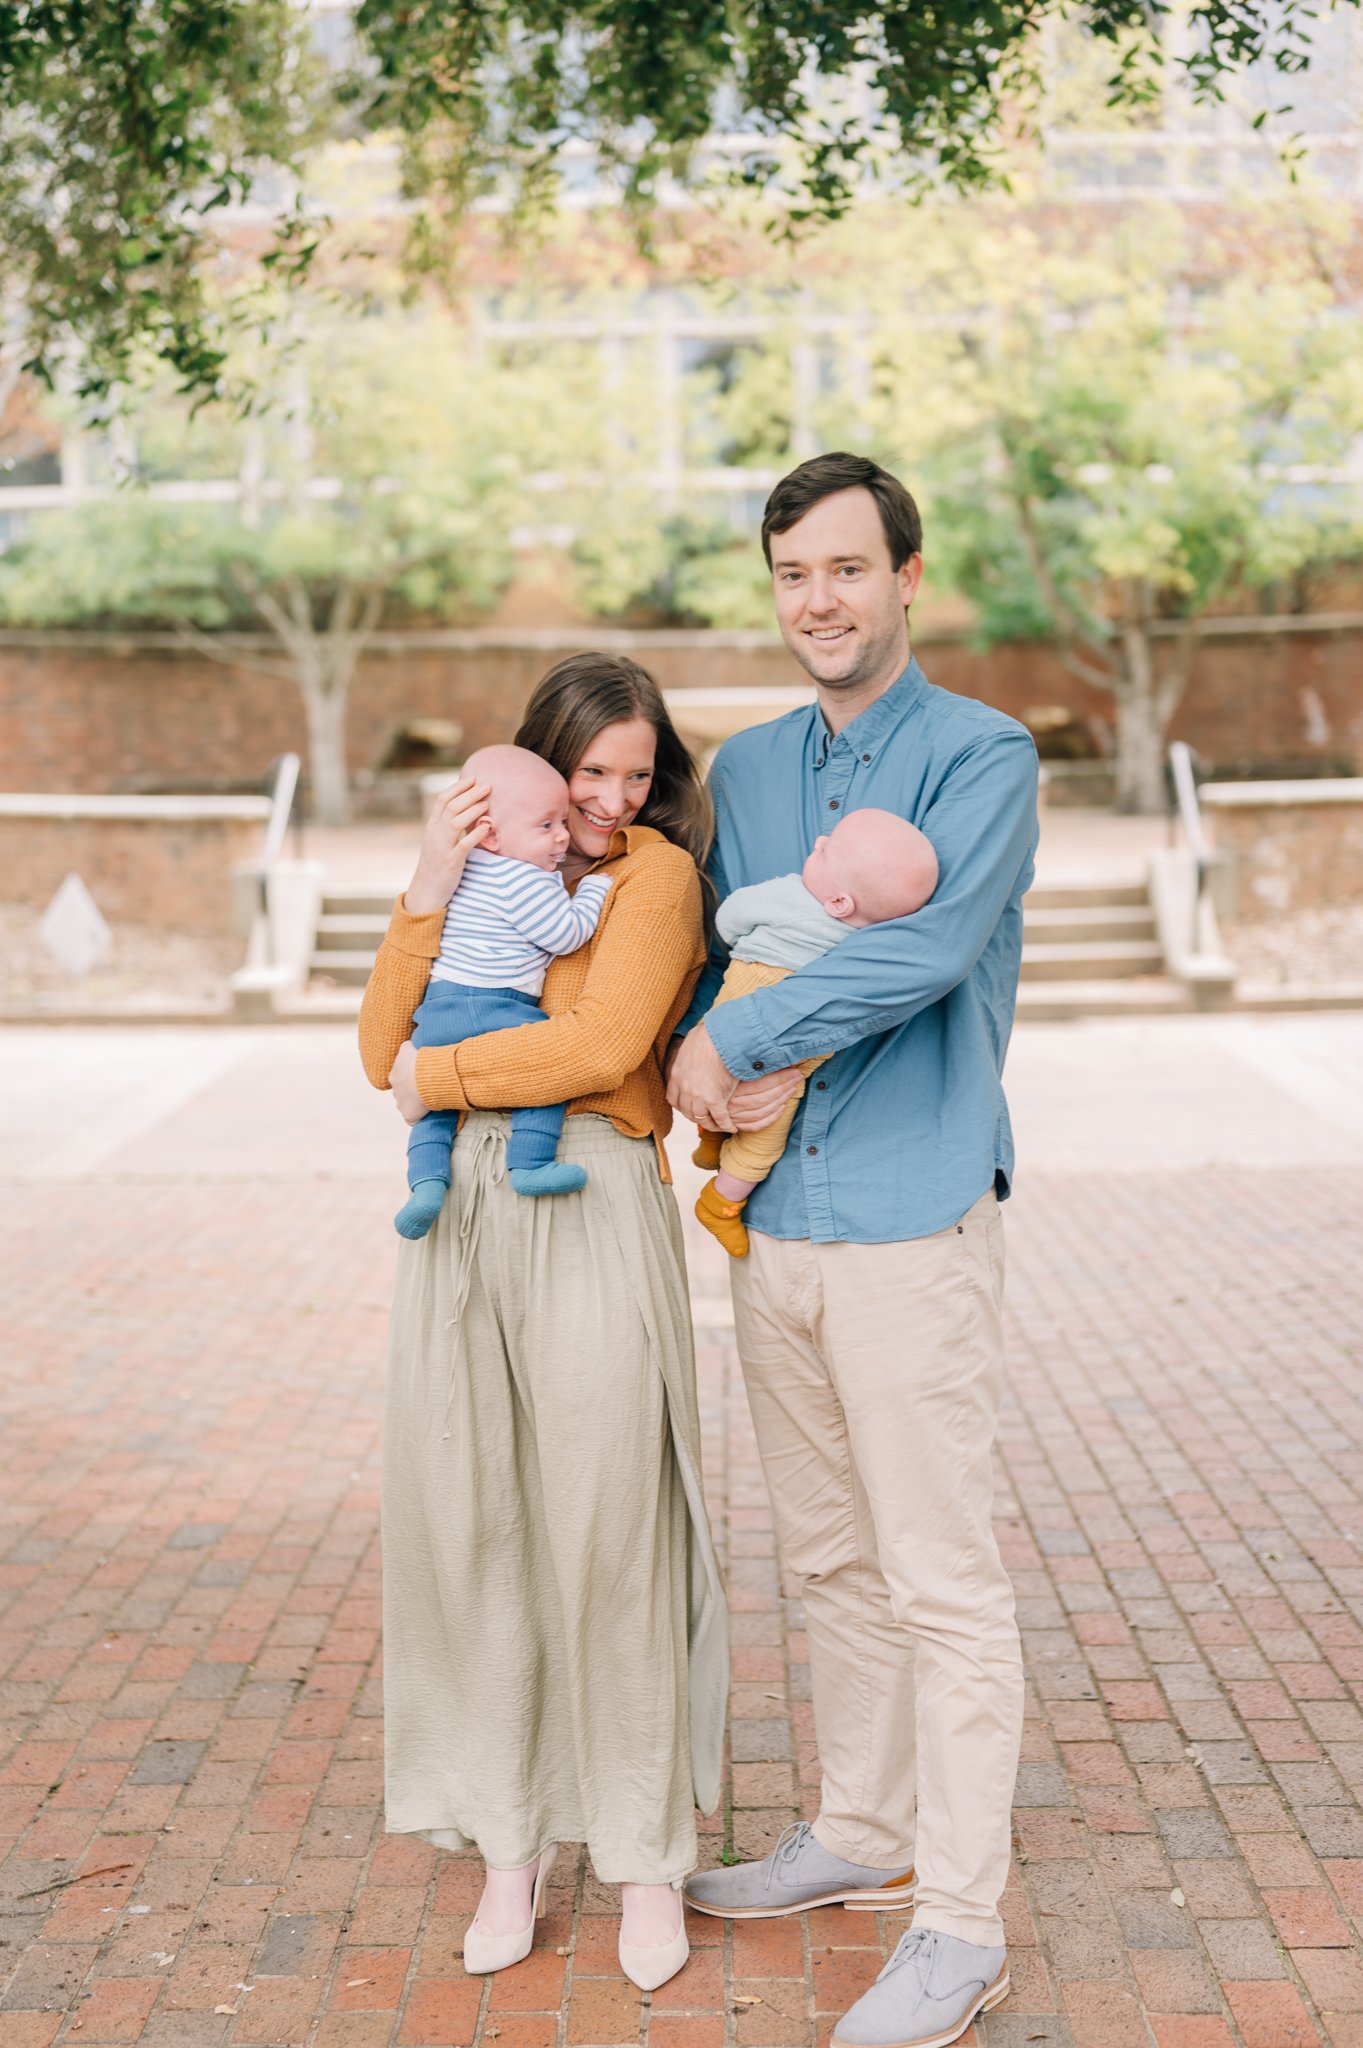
(487, 1138)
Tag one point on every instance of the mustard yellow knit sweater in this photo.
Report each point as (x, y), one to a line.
(612, 1006)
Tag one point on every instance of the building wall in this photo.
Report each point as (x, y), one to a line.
(99, 714)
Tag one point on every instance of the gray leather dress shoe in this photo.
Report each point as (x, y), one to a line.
(933, 1986)
(798, 1874)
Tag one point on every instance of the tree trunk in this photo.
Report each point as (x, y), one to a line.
(1140, 728)
(326, 755)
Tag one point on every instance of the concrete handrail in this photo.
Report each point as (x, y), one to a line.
(282, 796)
(281, 780)
(1185, 915)
(1189, 811)
(280, 904)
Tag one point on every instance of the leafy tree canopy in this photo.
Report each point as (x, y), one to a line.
(1114, 434)
(814, 91)
(389, 485)
(125, 125)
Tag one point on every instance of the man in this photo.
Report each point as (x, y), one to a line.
(867, 1312)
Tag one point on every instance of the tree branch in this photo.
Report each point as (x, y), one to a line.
(298, 643)
(1067, 618)
(1172, 684)
(373, 609)
(347, 644)
(1088, 671)
(301, 608)
(342, 606)
(259, 664)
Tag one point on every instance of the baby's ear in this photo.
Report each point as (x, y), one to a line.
(488, 842)
(843, 906)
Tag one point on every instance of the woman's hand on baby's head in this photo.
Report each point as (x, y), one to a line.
(458, 821)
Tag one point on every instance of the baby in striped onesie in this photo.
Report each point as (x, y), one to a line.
(509, 917)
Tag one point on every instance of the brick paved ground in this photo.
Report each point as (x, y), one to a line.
(195, 1281)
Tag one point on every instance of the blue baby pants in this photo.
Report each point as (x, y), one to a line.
(450, 1013)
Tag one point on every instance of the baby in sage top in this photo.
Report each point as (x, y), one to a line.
(873, 866)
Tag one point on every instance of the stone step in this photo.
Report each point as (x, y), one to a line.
(350, 966)
(359, 903)
(1056, 1002)
(1086, 892)
(318, 1005)
(1066, 927)
(1102, 960)
(350, 930)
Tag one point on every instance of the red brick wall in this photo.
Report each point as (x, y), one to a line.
(175, 874)
(104, 715)
(1291, 856)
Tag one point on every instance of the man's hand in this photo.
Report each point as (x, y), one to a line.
(700, 1084)
(402, 1081)
(755, 1104)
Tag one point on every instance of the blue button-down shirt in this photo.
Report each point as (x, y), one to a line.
(906, 1126)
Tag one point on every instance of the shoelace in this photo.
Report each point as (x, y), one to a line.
(788, 1848)
(914, 1947)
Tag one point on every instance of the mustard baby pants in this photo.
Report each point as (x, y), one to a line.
(751, 1155)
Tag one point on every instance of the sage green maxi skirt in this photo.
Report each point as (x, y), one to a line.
(555, 1644)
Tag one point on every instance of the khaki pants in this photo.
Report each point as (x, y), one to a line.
(874, 1373)
(751, 1155)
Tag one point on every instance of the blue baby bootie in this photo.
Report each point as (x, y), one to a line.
(553, 1179)
(419, 1212)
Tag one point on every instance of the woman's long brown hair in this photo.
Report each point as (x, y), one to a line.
(584, 694)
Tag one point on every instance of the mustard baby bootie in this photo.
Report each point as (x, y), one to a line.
(723, 1220)
(708, 1150)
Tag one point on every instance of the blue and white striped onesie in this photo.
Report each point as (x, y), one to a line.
(508, 919)
(505, 922)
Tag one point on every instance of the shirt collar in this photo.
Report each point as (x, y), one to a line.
(868, 732)
(629, 838)
(626, 839)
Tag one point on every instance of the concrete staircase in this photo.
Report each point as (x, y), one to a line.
(349, 930)
(1089, 949)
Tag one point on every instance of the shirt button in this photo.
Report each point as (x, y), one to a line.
(758, 1065)
(821, 1084)
(832, 803)
(811, 1149)
(865, 757)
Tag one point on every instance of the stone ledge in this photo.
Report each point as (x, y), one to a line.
(1329, 789)
(137, 810)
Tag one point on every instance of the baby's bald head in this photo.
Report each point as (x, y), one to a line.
(871, 867)
(527, 804)
(512, 768)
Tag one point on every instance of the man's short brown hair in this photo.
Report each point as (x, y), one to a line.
(818, 478)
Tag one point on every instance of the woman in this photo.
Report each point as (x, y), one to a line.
(554, 1629)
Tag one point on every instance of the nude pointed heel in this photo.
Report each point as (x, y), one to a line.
(485, 1952)
(651, 1967)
